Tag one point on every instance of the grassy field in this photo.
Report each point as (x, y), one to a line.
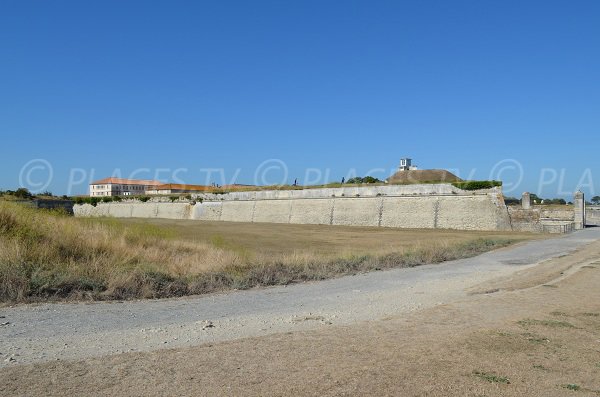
(272, 239)
(49, 255)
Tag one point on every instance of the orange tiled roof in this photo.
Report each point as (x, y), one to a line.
(123, 181)
(174, 186)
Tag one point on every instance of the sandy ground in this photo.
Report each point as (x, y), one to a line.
(533, 329)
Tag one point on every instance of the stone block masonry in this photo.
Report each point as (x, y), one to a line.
(409, 212)
(312, 211)
(236, 211)
(579, 205)
(272, 211)
(356, 211)
(592, 215)
(426, 206)
(551, 219)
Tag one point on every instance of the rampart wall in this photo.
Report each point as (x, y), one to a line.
(592, 214)
(550, 219)
(412, 206)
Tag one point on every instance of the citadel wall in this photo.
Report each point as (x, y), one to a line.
(402, 206)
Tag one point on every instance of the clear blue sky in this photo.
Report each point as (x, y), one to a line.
(95, 88)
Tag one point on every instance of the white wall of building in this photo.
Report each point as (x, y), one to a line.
(117, 189)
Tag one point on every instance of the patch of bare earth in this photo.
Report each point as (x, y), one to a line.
(538, 335)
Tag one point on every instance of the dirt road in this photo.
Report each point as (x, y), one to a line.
(498, 324)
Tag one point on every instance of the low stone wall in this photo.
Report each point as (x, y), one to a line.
(66, 205)
(557, 227)
(592, 215)
(525, 220)
(539, 219)
(567, 214)
(414, 206)
(136, 210)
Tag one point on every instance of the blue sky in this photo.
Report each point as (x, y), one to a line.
(328, 88)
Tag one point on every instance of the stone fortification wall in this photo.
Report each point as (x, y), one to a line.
(592, 215)
(412, 206)
(525, 220)
(50, 204)
(346, 191)
(542, 219)
(567, 214)
(136, 210)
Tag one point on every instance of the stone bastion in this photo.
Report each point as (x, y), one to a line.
(423, 206)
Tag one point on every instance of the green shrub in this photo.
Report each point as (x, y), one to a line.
(143, 199)
(558, 201)
(511, 201)
(360, 180)
(92, 200)
(535, 199)
(23, 193)
(476, 185)
(117, 198)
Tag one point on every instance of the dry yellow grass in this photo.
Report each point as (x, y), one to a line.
(274, 239)
(51, 255)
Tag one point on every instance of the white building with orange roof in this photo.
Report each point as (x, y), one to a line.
(121, 187)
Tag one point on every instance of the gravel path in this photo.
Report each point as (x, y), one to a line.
(38, 333)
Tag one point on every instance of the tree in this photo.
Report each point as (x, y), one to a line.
(511, 201)
(535, 199)
(370, 179)
(596, 200)
(23, 193)
(366, 179)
